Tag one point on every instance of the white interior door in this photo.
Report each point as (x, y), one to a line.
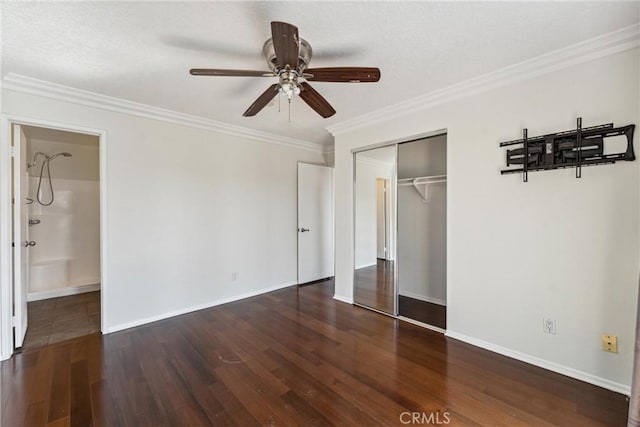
(315, 222)
(20, 234)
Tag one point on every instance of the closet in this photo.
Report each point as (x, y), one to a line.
(400, 216)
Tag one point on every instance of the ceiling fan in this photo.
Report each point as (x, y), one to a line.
(288, 57)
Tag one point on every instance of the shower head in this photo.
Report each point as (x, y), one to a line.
(46, 157)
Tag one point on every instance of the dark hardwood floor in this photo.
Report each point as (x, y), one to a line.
(59, 319)
(423, 311)
(290, 357)
(373, 286)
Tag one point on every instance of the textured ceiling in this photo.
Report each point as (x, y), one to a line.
(142, 51)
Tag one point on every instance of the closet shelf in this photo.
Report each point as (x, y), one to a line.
(421, 184)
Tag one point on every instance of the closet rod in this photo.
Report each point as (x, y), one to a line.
(408, 183)
(422, 180)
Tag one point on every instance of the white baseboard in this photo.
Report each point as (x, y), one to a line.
(63, 292)
(343, 299)
(542, 363)
(191, 309)
(358, 267)
(424, 298)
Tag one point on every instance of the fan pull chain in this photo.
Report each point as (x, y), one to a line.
(279, 98)
(289, 110)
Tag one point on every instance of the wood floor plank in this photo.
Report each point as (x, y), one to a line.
(59, 395)
(61, 422)
(302, 408)
(337, 408)
(36, 414)
(80, 415)
(234, 413)
(104, 410)
(172, 394)
(291, 357)
(252, 398)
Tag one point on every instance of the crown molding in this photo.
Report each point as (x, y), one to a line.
(330, 148)
(29, 85)
(589, 50)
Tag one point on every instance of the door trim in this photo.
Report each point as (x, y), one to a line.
(6, 285)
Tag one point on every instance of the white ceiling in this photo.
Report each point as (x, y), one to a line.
(142, 51)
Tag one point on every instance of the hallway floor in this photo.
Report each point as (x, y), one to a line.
(59, 319)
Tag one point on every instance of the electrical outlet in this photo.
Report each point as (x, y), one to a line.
(610, 343)
(549, 325)
(234, 276)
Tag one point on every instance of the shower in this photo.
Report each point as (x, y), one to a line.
(46, 162)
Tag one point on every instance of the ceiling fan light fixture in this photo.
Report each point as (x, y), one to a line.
(289, 89)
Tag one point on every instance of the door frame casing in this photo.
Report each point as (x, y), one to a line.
(6, 208)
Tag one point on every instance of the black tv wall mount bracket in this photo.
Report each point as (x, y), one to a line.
(569, 149)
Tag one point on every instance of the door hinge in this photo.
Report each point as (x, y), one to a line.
(13, 321)
(13, 151)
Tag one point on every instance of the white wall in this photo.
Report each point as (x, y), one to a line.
(367, 171)
(187, 208)
(556, 246)
(67, 253)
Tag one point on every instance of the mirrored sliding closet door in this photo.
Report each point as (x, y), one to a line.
(375, 225)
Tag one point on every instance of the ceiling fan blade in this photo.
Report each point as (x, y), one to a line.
(286, 44)
(316, 101)
(262, 101)
(343, 74)
(230, 73)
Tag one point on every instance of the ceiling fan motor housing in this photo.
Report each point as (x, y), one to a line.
(304, 56)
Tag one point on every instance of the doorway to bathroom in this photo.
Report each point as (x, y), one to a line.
(56, 235)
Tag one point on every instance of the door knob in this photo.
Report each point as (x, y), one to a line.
(302, 230)
(29, 243)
